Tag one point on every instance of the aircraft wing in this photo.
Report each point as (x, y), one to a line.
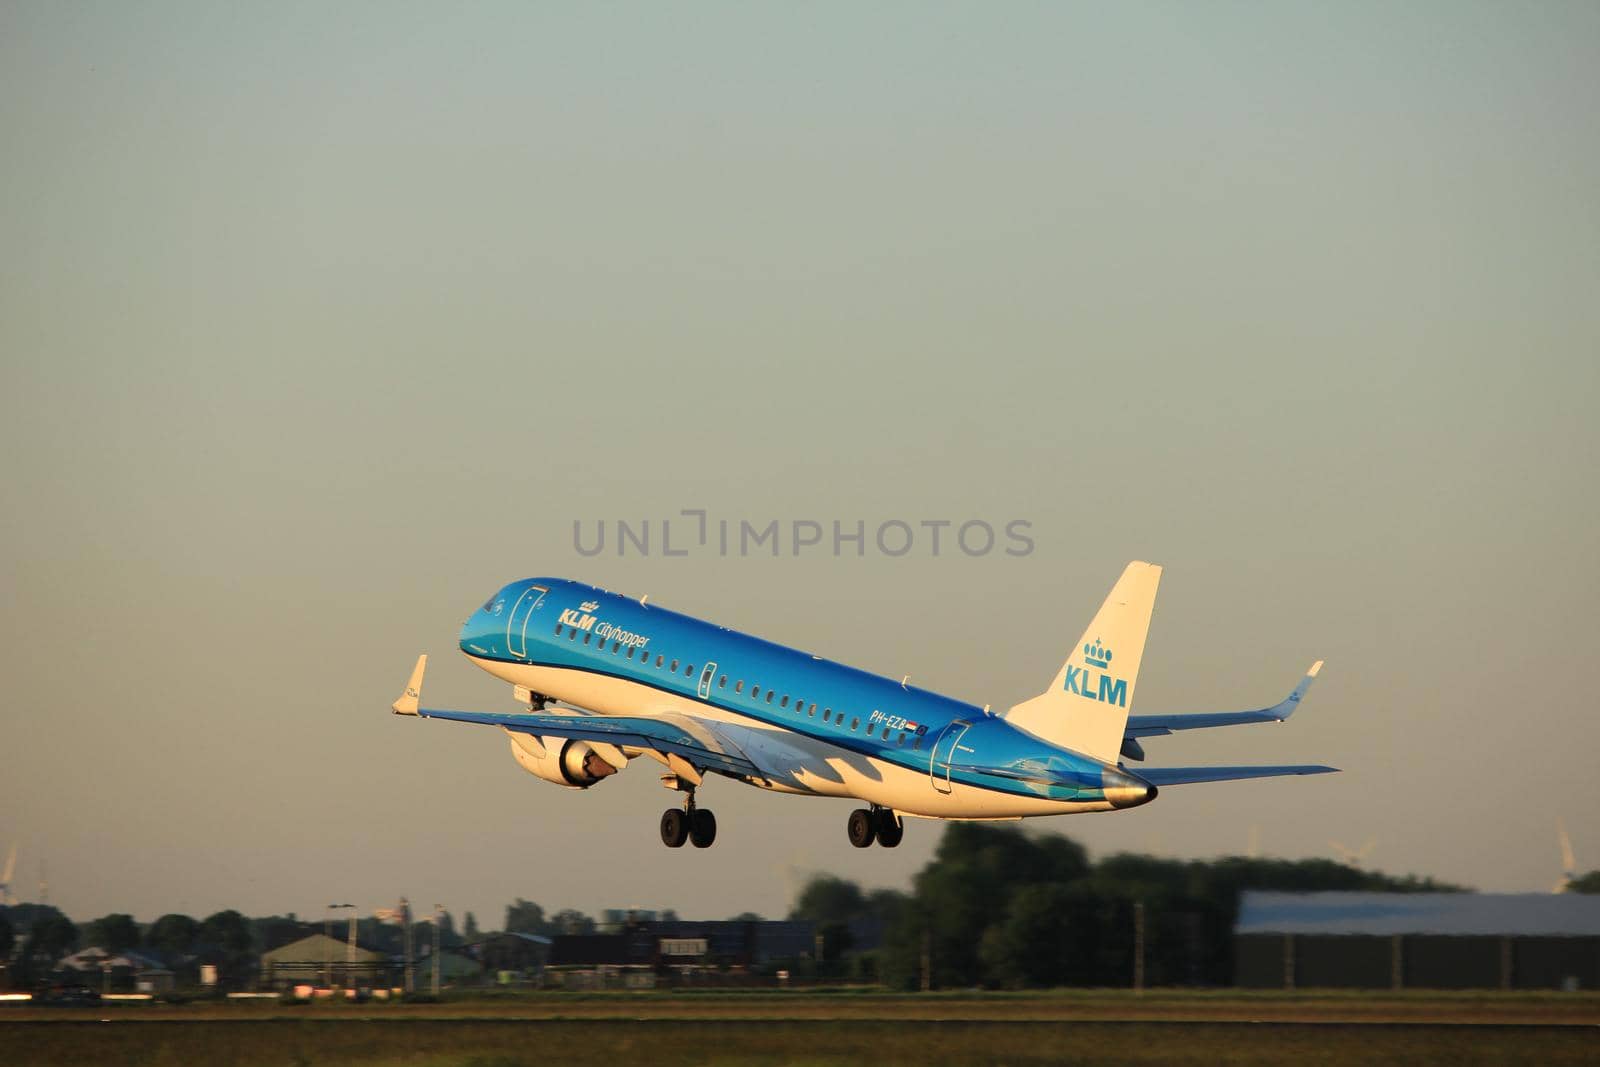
(1164, 776)
(671, 735)
(1158, 725)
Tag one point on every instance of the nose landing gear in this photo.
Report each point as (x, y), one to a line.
(874, 824)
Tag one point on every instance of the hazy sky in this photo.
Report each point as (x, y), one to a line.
(319, 323)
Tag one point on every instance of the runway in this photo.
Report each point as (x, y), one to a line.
(829, 1028)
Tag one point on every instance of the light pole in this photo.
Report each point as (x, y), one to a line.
(438, 913)
(405, 913)
(350, 946)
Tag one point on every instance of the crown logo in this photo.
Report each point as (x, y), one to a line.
(589, 605)
(1097, 655)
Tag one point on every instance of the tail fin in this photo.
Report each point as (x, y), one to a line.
(1086, 707)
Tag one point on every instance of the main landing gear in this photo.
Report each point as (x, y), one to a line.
(698, 826)
(874, 824)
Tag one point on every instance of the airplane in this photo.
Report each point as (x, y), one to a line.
(637, 681)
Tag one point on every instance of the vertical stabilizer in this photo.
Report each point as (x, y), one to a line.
(1086, 707)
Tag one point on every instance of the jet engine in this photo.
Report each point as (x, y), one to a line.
(574, 764)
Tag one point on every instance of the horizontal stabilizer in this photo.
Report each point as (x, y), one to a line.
(1157, 725)
(1164, 776)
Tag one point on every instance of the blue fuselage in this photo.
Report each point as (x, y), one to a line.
(574, 627)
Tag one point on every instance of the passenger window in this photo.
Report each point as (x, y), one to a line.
(738, 687)
(916, 743)
(902, 741)
(689, 671)
(674, 667)
(558, 629)
(658, 661)
(886, 733)
(755, 692)
(827, 714)
(769, 696)
(586, 638)
(784, 702)
(855, 722)
(812, 710)
(722, 683)
(572, 633)
(631, 651)
(616, 646)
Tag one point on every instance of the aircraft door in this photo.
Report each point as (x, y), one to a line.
(705, 680)
(944, 751)
(517, 621)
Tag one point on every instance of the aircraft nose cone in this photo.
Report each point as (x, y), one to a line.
(1123, 790)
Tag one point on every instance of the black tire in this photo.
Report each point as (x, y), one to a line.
(890, 829)
(861, 828)
(674, 828)
(702, 828)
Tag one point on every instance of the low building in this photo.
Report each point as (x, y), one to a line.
(455, 968)
(120, 972)
(509, 957)
(679, 949)
(1417, 941)
(323, 960)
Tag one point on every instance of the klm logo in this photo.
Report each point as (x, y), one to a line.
(1097, 686)
(577, 621)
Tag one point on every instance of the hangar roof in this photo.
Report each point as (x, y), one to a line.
(318, 948)
(1458, 914)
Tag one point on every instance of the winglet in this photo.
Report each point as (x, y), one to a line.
(1285, 708)
(408, 702)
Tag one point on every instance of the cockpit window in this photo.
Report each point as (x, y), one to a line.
(495, 604)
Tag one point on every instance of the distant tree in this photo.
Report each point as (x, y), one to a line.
(968, 886)
(1589, 883)
(827, 898)
(526, 917)
(447, 930)
(836, 939)
(469, 928)
(172, 933)
(668, 915)
(571, 921)
(50, 938)
(227, 930)
(8, 936)
(115, 933)
(23, 916)
(1039, 937)
(275, 931)
(885, 904)
(1000, 905)
(746, 917)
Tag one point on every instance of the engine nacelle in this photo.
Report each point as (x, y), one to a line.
(574, 764)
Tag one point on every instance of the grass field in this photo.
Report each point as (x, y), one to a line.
(809, 1028)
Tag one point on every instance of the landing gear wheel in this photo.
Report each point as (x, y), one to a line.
(861, 828)
(702, 827)
(674, 828)
(890, 829)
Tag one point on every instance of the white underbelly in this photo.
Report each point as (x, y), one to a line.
(791, 762)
